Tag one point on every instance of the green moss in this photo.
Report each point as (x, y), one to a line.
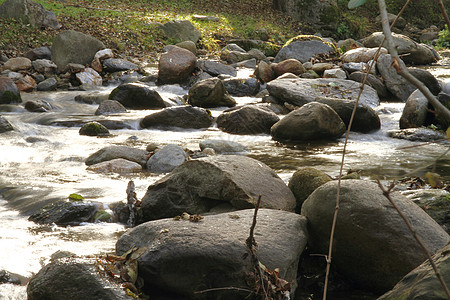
(10, 97)
(307, 37)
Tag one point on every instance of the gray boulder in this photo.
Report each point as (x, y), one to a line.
(248, 119)
(365, 119)
(94, 129)
(176, 66)
(44, 66)
(108, 107)
(222, 146)
(414, 53)
(312, 121)
(166, 159)
(372, 245)
(427, 78)
(241, 87)
(181, 30)
(89, 77)
(422, 282)
(361, 54)
(29, 13)
(415, 111)
(199, 185)
(373, 81)
(210, 93)
(5, 125)
(74, 278)
(9, 93)
(39, 53)
(418, 134)
(65, 213)
(17, 64)
(49, 84)
(74, 47)
(299, 91)
(137, 96)
(118, 165)
(112, 65)
(92, 97)
(212, 250)
(37, 106)
(302, 50)
(112, 152)
(215, 68)
(180, 116)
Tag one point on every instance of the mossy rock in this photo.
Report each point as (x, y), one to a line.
(94, 129)
(308, 37)
(10, 97)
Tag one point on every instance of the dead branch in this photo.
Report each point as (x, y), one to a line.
(131, 200)
(387, 194)
(230, 288)
(444, 14)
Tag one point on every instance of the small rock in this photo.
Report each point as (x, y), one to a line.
(94, 129)
(49, 84)
(166, 159)
(109, 107)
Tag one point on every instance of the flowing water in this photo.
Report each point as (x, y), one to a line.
(40, 163)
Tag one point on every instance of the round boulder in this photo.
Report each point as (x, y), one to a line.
(166, 159)
(176, 65)
(248, 119)
(210, 92)
(108, 107)
(291, 65)
(372, 245)
(137, 96)
(179, 116)
(415, 111)
(201, 184)
(312, 121)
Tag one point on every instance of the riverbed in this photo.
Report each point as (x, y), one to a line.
(40, 163)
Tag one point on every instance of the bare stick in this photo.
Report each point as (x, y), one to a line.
(223, 289)
(444, 13)
(131, 200)
(387, 194)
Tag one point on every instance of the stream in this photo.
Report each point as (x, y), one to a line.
(40, 163)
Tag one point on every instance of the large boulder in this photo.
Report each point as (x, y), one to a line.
(312, 121)
(181, 30)
(211, 252)
(365, 119)
(74, 47)
(422, 282)
(241, 87)
(118, 165)
(303, 50)
(415, 111)
(362, 54)
(372, 245)
(137, 96)
(315, 12)
(210, 93)
(373, 81)
(299, 91)
(8, 91)
(248, 119)
(201, 184)
(414, 53)
(426, 78)
(74, 278)
(166, 159)
(65, 213)
(179, 116)
(215, 68)
(176, 65)
(30, 13)
(112, 152)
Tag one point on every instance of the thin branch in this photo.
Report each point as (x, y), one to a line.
(230, 288)
(444, 13)
(387, 194)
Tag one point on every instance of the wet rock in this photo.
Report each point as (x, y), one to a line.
(181, 116)
(210, 93)
(92, 98)
(93, 129)
(288, 66)
(5, 125)
(44, 66)
(248, 119)
(176, 66)
(137, 96)
(373, 81)
(37, 106)
(166, 159)
(305, 181)
(109, 107)
(118, 165)
(299, 91)
(415, 111)
(312, 121)
(39, 53)
(7, 277)
(214, 68)
(418, 134)
(117, 64)
(214, 248)
(365, 119)
(49, 84)
(89, 77)
(29, 12)
(9, 92)
(65, 213)
(413, 52)
(181, 30)
(361, 54)
(302, 50)
(74, 47)
(249, 63)
(74, 278)
(112, 152)
(427, 78)
(372, 245)
(241, 87)
(222, 146)
(17, 64)
(201, 184)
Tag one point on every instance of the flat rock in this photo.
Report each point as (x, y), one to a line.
(112, 152)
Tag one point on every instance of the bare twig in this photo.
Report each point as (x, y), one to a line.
(230, 288)
(387, 194)
(444, 13)
(131, 200)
